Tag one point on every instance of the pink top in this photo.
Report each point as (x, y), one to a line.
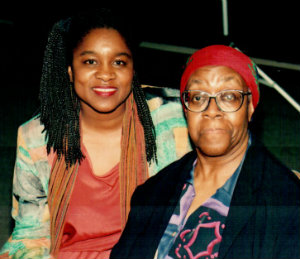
(93, 219)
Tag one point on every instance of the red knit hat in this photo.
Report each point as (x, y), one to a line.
(220, 55)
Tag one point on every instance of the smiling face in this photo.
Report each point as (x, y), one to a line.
(102, 71)
(217, 133)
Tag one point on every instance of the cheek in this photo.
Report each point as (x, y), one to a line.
(239, 126)
(125, 78)
(193, 123)
(125, 83)
(81, 80)
(239, 121)
(82, 76)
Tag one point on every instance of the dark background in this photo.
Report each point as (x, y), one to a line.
(261, 29)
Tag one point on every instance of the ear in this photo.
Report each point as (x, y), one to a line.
(70, 72)
(185, 110)
(250, 109)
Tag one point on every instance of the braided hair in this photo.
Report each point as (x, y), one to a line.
(59, 104)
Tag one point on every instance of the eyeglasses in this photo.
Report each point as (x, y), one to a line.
(227, 100)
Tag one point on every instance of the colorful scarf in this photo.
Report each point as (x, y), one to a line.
(133, 171)
(133, 161)
(61, 184)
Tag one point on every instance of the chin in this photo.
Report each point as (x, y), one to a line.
(106, 109)
(214, 148)
(213, 152)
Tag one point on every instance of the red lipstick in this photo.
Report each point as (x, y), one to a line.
(105, 91)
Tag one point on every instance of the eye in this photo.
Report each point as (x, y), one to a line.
(230, 96)
(90, 62)
(198, 98)
(120, 62)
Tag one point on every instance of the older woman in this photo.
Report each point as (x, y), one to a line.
(229, 198)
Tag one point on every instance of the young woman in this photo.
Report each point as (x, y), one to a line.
(98, 135)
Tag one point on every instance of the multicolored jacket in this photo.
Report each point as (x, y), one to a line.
(31, 235)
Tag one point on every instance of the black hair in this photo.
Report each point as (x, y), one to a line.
(59, 104)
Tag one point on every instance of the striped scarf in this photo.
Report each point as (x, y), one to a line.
(133, 171)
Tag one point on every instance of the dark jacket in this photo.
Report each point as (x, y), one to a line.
(263, 219)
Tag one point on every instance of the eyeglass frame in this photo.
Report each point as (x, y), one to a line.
(211, 96)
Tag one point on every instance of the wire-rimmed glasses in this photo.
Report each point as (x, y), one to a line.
(226, 100)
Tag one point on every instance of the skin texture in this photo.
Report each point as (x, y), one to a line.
(217, 133)
(220, 138)
(102, 72)
(102, 60)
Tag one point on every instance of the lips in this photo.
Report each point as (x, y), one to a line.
(105, 91)
(213, 131)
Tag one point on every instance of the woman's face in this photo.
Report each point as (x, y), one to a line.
(102, 71)
(217, 133)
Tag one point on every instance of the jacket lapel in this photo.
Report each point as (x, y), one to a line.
(244, 199)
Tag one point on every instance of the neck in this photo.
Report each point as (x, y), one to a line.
(101, 122)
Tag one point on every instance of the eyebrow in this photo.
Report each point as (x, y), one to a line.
(196, 81)
(238, 80)
(90, 52)
(228, 78)
(124, 54)
(225, 79)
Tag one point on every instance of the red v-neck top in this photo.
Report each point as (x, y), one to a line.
(93, 219)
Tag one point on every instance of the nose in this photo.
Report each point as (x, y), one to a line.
(105, 73)
(212, 110)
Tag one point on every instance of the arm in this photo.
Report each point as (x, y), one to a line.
(31, 235)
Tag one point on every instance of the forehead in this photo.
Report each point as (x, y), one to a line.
(217, 78)
(104, 37)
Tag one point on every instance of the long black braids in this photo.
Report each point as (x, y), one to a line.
(146, 120)
(59, 105)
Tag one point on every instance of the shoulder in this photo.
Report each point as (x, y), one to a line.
(282, 182)
(279, 183)
(31, 146)
(32, 132)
